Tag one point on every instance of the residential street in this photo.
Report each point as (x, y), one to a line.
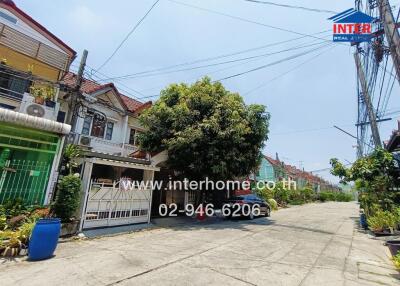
(314, 244)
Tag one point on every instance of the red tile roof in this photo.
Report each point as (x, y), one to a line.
(273, 161)
(292, 170)
(8, 4)
(89, 86)
(131, 104)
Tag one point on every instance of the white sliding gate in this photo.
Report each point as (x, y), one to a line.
(112, 205)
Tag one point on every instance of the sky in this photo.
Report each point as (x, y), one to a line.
(305, 95)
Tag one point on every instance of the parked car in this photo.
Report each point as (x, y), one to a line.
(246, 205)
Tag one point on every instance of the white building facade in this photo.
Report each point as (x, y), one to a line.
(116, 183)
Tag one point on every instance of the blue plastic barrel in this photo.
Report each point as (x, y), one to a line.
(44, 239)
(363, 221)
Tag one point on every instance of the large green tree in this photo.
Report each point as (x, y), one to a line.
(376, 176)
(207, 130)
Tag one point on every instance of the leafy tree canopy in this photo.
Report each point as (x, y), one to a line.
(379, 164)
(376, 176)
(207, 130)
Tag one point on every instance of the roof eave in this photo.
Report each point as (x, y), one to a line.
(38, 27)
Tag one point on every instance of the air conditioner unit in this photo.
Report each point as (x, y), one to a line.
(28, 106)
(84, 141)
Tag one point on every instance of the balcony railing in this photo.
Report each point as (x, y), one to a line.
(101, 145)
(13, 84)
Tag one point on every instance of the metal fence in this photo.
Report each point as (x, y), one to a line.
(24, 179)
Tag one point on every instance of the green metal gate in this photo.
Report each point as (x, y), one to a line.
(26, 158)
(24, 179)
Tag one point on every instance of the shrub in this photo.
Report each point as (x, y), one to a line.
(326, 196)
(71, 153)
(15, 207)
(68, 197)
(295, 197)
(281, 194)
(343, 197)
(25, 230)
(273, 204)
(331, 196)
(3, 222)
(396, 260)
(382, 220)
(307, 194)
(265, 193)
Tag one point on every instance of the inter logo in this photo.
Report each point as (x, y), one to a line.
(352, 26)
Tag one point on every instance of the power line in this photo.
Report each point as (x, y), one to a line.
(200, 76)
(292, 7)
(151, 96)
(287, 72)
(127, 36)
(214, 64)
(327, 169)
(307, 130)
(270, 64)
(119, 83)
(213, 58)
(247, 20)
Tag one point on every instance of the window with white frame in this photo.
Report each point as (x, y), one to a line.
(98, 127)
(87, 122)
(109, 130)
(133, 136)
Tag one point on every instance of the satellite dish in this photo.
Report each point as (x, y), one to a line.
(35, 110)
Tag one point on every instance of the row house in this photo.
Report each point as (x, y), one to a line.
(112, 168)
(270, 170)
(32, 61)
(275, 170)
(35, 86)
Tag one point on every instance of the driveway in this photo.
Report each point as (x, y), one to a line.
(314, 244)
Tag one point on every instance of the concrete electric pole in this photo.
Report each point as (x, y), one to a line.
(391, 32)
(71, 118)
(367, 100)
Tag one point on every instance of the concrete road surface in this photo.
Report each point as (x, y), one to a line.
(314, 244)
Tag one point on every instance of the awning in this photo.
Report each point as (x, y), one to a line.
(122, 164)
(34, 122)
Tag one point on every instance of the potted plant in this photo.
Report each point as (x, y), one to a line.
(17, 221)
(43, 94)
(396, 260)
(382, 223)
(49, 91)
(10, 243)
(38, 94)
(394, 246)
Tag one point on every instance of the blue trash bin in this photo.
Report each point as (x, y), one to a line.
(44, 239)
(363, 221)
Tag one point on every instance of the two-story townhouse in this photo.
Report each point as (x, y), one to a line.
(106, 129)
(266, 171)
(30, 136)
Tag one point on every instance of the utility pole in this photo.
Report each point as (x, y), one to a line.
(71, 118)
(391, 32)
(367, 100)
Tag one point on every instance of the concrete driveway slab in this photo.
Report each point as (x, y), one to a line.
(314, 244)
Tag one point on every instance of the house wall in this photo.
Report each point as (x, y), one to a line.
(33, 189)
(24, 63)
(119, 143)
(266, 171)
(108, 104)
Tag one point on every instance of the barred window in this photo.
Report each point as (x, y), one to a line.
(109, 130)
(86, 125)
